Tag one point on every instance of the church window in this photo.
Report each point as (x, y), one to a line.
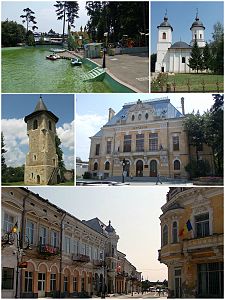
(176, 165)
(200, 35)
(35, 157)
(146, 116)
(139, 142)
(97, 149)
(35, 124)
(176, 143)
(95, 166)
(127, 143)
(133, 117)
(49, 125)
(153, 141)
(164, 36)
(195, 36)
(183, 60)
(107, 165)
(139, 117)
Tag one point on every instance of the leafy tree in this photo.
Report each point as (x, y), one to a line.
(3, 151)
(30, 38)
(14, 174)
(213, 130)
(12, 33)
(206, 58)
(67, 11)
(198, 168)
(217, 48)
(28, 18)
(153, 61)
(59, 152)
(195, 60)
(71, 42)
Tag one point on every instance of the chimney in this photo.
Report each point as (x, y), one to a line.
(111, 114)
(182, 105)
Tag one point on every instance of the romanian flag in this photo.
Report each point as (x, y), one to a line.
(187, 228)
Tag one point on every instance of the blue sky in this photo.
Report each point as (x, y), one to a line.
(20, 105)
(44, 12)
(92, 112)
(133, 211)
(181, 14)
(16, 106)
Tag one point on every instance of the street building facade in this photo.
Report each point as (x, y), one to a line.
(41, 165)
(192, 242)
(47, 252)
(144, 139)
(174, 57)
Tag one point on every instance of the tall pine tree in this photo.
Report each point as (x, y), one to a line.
(195, 60)
(206, 58)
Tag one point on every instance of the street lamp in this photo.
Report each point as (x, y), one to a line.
(9, 239)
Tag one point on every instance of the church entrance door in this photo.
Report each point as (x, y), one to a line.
(139, 168)
(153, 168)
(38, 179)
(162, 69)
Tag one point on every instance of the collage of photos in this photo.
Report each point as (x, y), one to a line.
(112, 148)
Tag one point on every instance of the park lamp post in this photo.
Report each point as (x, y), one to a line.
(8, 239)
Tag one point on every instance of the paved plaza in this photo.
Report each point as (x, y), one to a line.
(132, 69)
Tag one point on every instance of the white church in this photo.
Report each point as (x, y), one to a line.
(173, 58)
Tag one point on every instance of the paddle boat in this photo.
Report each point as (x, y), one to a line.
(53, 56)
(76, 62)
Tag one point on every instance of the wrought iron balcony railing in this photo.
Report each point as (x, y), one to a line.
(48, 250)
(81, 258)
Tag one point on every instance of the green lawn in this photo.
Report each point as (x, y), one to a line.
(196, 83)
(21, 183)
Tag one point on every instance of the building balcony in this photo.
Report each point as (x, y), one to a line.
(49, 250)
(81, 258)
(122, 274)
(98, 263)
(198, 244)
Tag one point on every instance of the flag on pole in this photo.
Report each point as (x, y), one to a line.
(186, 229)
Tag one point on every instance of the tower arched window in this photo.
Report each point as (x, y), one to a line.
(165, 235)
(176, 165)
(164, 36)
(174, 232)
(95, 166)
(107, 165)
(49, 125)
(35, 124)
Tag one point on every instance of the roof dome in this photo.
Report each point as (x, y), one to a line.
(197, 23)
(109, 228)
(165, 23)
(180, 45)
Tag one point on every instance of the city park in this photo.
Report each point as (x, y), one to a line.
(108, 54)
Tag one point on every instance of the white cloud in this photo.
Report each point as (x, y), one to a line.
(15, 136)
(87, 126)
(66, 135)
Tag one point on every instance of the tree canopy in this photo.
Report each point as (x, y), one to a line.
(28, 18)
(12, 34)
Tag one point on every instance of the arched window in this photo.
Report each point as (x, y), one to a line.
(164, 36)
(35, 124)
(95, 166)
(165, 235)
(49, 125)
(176, 165)
(174, 232)
(107, 165)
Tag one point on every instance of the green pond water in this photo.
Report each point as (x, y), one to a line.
(26, 70)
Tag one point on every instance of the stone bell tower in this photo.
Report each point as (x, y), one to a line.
(41, 165)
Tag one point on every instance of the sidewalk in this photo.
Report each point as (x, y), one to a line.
(133, 69)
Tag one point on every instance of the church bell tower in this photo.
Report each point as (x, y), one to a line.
(164, 43)
(198, 31)
(41, 165)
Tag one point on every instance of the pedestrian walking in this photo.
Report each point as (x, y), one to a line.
(158, 179)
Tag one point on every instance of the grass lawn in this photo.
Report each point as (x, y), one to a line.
(21, 183)
(196, 82)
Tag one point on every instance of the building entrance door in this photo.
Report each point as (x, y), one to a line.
(41, 285)
(153, 168)
(139, 168)
(177, 283)
(162, 69)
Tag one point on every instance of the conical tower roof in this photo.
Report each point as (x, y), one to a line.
(197, 23)
(41, 108)
(165, 23)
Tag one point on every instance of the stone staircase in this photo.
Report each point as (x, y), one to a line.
(96, 74)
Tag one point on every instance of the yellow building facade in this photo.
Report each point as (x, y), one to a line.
(192, 235)
(143, 139)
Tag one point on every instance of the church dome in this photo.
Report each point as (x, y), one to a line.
(197, 23)
(165, 23)
(109, 228)
(180, 45)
